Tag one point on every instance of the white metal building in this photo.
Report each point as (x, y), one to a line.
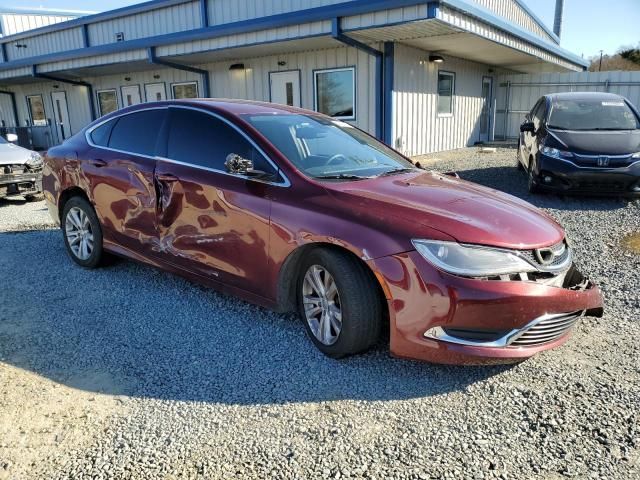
(419, 74)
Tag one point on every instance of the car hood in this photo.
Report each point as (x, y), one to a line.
(612, 142)
(468, 212)
(11, 154)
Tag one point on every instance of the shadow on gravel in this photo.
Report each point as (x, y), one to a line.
(514, 181)
(132, 330)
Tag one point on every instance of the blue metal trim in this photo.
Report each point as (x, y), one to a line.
(433, 10)
(14, 106)
(151, 53)
(538, 20)
(3, 52)
(389, 78)
(204, 14)
(85, 36)
(336, 33)
(515, 30)
(45, 11)
(53, 78)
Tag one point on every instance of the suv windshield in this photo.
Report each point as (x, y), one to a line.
(592, 114)
(328, 149)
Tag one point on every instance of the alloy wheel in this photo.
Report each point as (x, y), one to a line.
(79, 233)
(322, 307)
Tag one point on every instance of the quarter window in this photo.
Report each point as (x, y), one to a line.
(198, 138)
(335, 93)
(185, 90)
(137, 132)
(100, 136)
(446, 91)
(107, 101)
(36, 110)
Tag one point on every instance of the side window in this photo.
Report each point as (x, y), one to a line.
(100, 136)
(198, 138)
(137, 132)
(538, 112)
(446, 92)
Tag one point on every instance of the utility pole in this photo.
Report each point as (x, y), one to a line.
(600, 67)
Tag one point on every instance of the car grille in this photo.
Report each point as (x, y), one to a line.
(546, 330)
(560, 251)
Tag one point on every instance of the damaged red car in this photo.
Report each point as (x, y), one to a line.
(296, 211)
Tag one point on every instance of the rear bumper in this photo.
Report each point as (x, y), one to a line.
(570, 178)
(422, 299)
(20, 184)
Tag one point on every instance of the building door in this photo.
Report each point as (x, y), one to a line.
(485, 115)
(131, 95)
(285, 87)
(155, 92)
(61, 114)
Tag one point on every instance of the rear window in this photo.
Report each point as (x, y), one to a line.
(137, 132)
(592, 114)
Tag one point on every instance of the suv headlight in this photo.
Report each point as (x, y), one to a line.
(471, 260)
(555, 153)
(636, 155)
(34, 160)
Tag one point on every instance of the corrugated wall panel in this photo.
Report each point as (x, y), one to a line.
(394, 15)
(512, 11)
(417, 127)
(523, 97)
(68, 39)
(225, 11)
(177, 18)
(6, 111)
(15, 23)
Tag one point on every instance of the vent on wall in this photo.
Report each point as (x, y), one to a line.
(120, 37)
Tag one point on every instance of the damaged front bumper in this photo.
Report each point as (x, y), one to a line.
(16, 180)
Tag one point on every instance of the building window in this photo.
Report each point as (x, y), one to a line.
(107, 101)
(36, 110)
(335, 92)
(446, 91)
(185, 90)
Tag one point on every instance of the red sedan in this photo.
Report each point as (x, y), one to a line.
(293, 210)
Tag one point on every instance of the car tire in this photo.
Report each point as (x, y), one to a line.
(532, 184)
(34, 198)
(343, 313)
(82, 233)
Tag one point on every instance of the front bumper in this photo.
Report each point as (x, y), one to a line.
(23, 183)
(423, 299)
(569, 177)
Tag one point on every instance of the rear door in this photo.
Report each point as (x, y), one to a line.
(209, 221)
(120, 169)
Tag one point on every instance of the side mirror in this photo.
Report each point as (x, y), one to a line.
(527, 127)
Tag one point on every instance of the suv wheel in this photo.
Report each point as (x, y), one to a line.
(339, 303)
(82, 232)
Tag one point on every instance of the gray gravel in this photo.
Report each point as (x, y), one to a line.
(207, 386)
(16, 214)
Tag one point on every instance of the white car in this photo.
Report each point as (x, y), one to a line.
(20, 171)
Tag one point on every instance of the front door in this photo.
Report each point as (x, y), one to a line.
(285, 87)
(485, 115)
(155, 92)
(61, 114)
(131, 95)
(211, 222)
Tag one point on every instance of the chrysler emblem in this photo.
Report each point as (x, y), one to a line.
(546, 256)
(603, 161)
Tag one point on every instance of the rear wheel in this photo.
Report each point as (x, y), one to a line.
(82, 232)
(339, 303)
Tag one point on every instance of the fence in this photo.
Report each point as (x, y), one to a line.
(516, 94)
(33, 138)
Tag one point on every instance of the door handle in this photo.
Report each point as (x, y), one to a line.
(166, 177)
(98, 163)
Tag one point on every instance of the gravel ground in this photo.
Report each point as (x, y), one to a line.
(128, 372)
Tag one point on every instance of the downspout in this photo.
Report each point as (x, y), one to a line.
(336, 33)
(151, 53)
(557, 19)
(14, 106)
(79, 83)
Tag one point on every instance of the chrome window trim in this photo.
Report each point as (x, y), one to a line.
(285, 180)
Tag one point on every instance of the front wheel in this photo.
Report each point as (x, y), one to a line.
(82, 233)
(339, 303)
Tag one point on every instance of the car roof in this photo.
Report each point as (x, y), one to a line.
(241, 107)
(584, 96)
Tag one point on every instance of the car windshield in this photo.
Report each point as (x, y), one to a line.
(328, 149)
(592, 114)
(3, 140)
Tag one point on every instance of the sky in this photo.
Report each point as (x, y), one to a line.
(589, 25)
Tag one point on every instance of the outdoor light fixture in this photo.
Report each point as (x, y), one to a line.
(21, 45)
(237, 66)
(436, 59)
(282, 63)
(127, 79)
(156, 76)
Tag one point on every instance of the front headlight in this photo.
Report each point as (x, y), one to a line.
(555, 153)
(471, 260)
(34, 160)
(636, 155)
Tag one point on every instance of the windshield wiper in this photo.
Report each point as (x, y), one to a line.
(341, 176)
(396, 171)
